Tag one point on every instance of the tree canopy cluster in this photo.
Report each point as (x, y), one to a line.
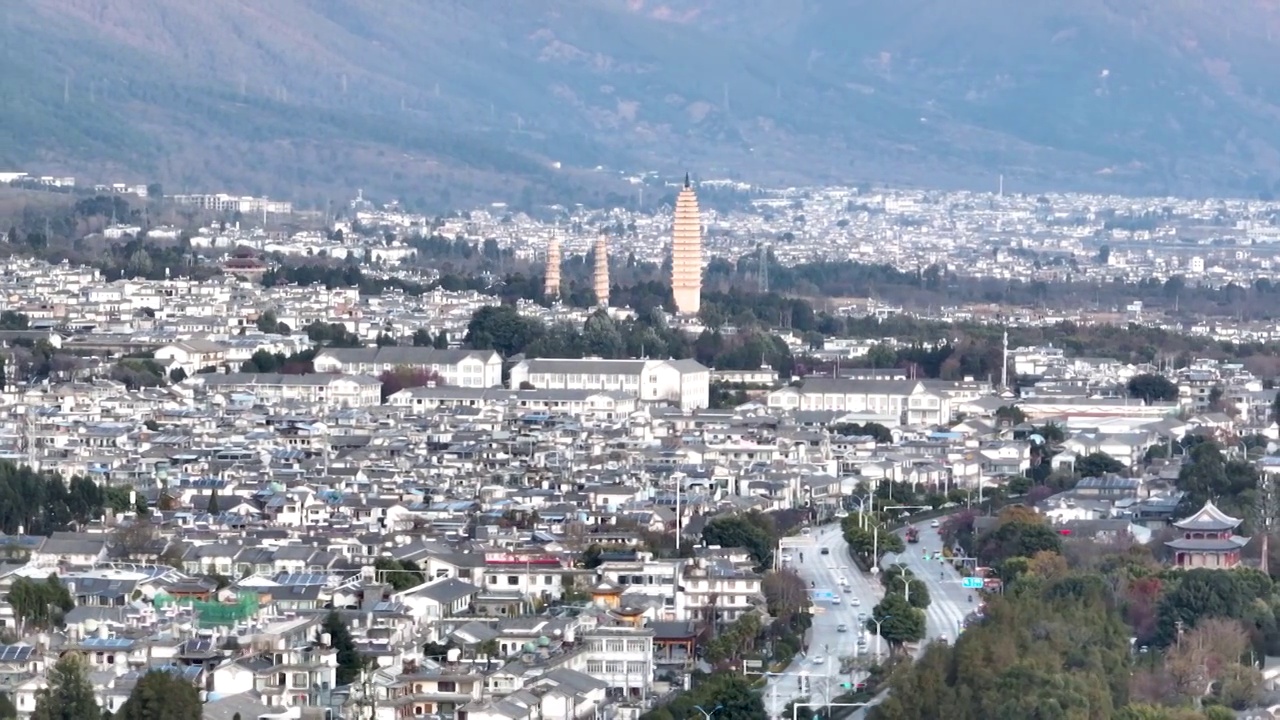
(869, 539)
(750, 532)
(158, 695)
(503, 329)
(42, 503)
(399, 574)
(1057, 642)
(39, 604)
(729, 694)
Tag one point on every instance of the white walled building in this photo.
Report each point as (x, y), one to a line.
(599, 405)
(458, 368)
(329, 389)
(684, 383)
(907, 401)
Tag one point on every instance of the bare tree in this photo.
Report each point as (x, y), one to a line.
(1208, 656)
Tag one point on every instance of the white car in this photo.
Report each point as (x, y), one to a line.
(856, 602)
(818, 659)
(933, 524)
(786, 557)
(835, 599)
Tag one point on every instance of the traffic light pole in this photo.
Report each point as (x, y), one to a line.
(795, 707)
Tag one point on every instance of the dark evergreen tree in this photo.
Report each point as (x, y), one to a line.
(162, 695)
(350, 662)
(69, 696)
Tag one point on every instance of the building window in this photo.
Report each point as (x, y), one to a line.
(513, 579)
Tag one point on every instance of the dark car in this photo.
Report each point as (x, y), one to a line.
(826, 551)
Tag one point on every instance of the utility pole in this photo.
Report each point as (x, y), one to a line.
(1004, 368)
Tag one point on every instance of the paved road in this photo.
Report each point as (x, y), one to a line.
(826, 642)
(949, 601)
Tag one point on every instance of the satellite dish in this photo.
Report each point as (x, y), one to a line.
(90, 625)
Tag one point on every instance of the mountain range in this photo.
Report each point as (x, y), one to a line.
(461, 100)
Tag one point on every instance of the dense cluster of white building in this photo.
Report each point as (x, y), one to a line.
(274, 498)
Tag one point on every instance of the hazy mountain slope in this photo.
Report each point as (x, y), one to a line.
(480, 96)
(1157, 94)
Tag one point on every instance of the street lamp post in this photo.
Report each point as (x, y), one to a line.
(706, 714)
(906, 587)
(879, 637)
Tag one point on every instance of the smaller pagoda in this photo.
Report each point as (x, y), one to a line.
(1209, 540)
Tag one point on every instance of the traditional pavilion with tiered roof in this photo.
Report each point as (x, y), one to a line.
(1209, 540)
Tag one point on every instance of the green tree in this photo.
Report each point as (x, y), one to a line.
(268, 322)
(399, 574)
(162, 695)
(1201, 593)
(1152, 388)
(214, 506)
(69, 696)
(1020, 533)
(1097, 465)
(1010, 415)
(866, 542)
(591, 556)
(729, 694)
(897, 578)
(421, 338)
(1057, 649)
(39, 604)
(900, 622)
(7, 709)
(11, 320)
(406, 377)
(1207, 474)
(601, 336)
(875, 430)
(350, 662)
(742, 531)
(503, 329)
(85, 499)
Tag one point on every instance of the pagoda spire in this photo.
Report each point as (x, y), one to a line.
(686, 180)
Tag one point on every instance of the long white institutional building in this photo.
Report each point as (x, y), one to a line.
(685, 383)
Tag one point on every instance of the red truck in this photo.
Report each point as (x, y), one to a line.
(913, 535)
